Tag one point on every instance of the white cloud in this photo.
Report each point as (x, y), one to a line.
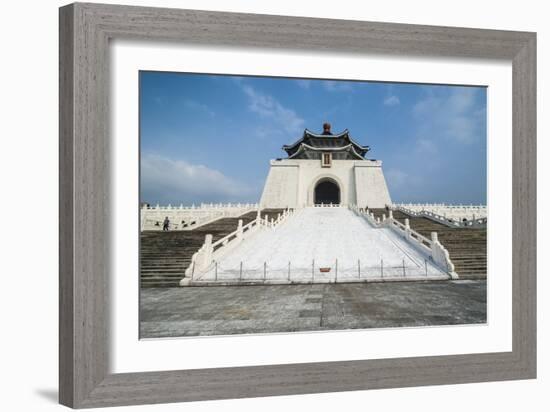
(267, 133)
(270, 108)
(336, 86)
(454, 116)
(396, 178)
(193, 105)
(405, 182)
(167, 180)
(391, 101)
(304, 84)
(426, 146)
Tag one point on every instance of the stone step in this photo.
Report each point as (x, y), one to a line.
(165, 262)
(471, 262)
(153, 264)
(160, 284)
(157, 270)
(164, 256)
(460, 269)
(467, 247)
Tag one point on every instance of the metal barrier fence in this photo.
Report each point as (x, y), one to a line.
(318, 273)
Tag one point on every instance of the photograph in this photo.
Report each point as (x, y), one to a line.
(275, 206)
(279, 205)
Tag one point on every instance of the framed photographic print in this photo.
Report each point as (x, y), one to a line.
(258, 205)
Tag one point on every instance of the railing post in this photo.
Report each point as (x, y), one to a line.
(440, 255)
(265, 270)
(216, 271)
(289, 270)
(240, 230)
(208, 250)
(407, 229)
(404, 275)
(241, 271)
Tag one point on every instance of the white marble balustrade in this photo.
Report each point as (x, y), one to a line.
(450, 215)
(190, 217)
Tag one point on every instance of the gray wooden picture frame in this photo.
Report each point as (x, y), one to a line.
(85, 31)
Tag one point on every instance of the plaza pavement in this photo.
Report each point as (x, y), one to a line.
(227, 310)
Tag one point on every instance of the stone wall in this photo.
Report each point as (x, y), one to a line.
(371, 187)
(281, 187)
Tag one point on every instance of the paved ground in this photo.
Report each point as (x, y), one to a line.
(288, 308)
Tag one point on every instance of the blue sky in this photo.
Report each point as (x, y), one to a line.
(208, 138)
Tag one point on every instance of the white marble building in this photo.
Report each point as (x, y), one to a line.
(325, 168)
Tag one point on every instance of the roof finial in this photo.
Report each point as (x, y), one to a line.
(326, 128)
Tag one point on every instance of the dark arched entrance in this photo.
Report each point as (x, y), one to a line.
(327, 191)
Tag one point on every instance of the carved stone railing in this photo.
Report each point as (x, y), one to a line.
(435, 250)
(190, 217)
(212, 251)
(202, 206)
(327, 205)
(480, 210)
(455, 222)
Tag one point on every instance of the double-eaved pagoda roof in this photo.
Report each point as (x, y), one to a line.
(312, 145)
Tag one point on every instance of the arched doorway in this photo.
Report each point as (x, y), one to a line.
(327, 191)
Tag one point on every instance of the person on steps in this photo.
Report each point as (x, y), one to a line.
(166, 224)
